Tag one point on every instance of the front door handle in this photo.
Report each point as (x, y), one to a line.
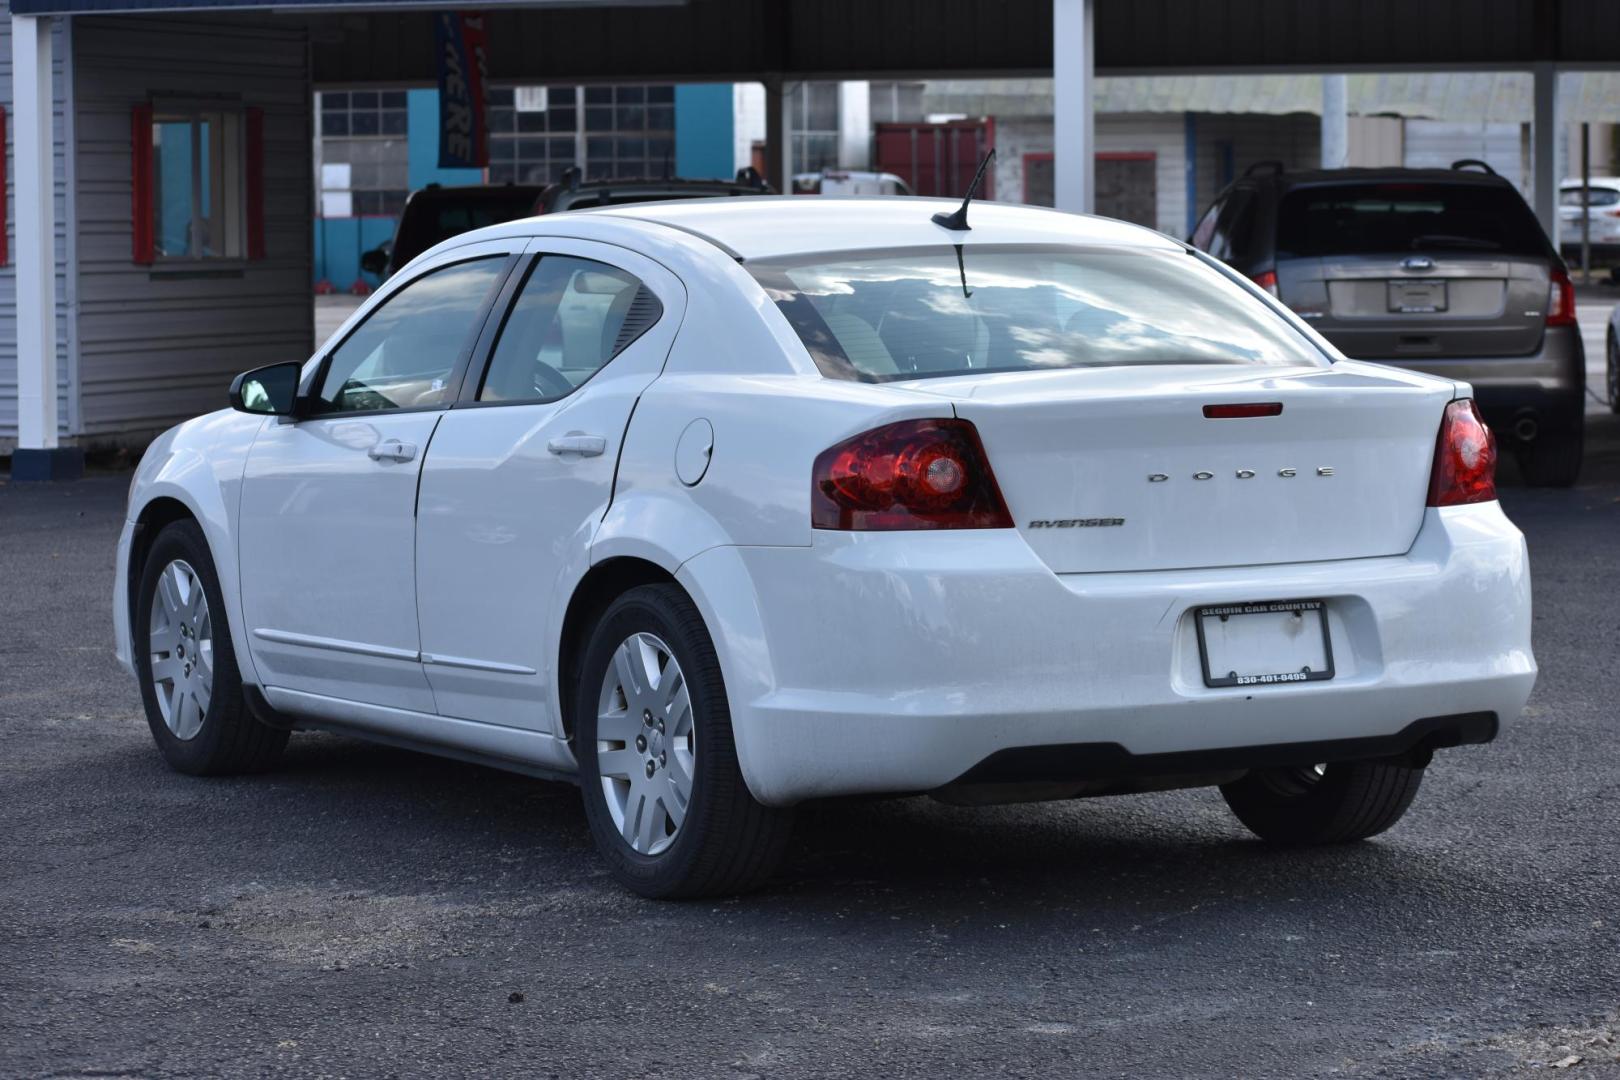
(392, 450)
(576, 443)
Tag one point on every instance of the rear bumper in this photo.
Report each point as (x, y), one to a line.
(900, 662)
(1110, 761)
(1551, 383)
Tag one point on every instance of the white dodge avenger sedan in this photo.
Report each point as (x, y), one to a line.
(722, 505)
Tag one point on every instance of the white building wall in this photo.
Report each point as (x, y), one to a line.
(1163, 136)
(60, 62)
(748, 120)
(1294, 139)
(854, 125)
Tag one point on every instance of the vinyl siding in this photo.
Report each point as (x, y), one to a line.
(156, 344)
(8, 273)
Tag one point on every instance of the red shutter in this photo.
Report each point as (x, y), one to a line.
(141, 183)
(5, 248)
(255, 183)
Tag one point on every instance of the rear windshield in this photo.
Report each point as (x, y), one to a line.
(1366, 219)
(1600, 196)
(882, 316)
(428, 221)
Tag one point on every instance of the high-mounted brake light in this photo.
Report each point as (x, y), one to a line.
(1561, 300)
(1267, 280)
(917, 474)
(1464, 458)
(1239, 412)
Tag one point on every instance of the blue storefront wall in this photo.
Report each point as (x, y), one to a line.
(339, 243)
(422, 132)
(704, 144)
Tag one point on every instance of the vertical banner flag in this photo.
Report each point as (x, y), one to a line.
(463, 131)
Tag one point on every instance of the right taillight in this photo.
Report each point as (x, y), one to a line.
(1561, 300)
(1464, 458)
(916, 474)
(1267, 280)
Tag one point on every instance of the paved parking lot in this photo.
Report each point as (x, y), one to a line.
(368, 912)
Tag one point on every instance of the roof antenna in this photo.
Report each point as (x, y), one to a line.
(958, 221)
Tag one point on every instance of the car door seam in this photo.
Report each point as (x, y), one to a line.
(416, 557)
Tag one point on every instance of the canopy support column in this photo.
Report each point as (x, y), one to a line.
(38, 455)
(1544, 149)
(1074, 140)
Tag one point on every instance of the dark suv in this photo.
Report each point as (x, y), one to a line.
(437, 213)
(1445, 271)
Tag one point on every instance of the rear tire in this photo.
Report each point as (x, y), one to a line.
(654, 743)
(1554, 458)
(201, 726)
(1332, 804)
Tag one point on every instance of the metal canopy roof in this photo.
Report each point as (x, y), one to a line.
(1460, 96)
(722, 40)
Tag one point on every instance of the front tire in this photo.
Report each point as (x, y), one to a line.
(1323, 804)
(1612, 370)
(664, 795)
(190, 683)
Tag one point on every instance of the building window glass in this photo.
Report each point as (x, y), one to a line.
(628, 131)
(813, 113)
(364, 155)
(197, 184)
(363, 112)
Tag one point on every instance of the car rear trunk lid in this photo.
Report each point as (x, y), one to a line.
(1120, 470)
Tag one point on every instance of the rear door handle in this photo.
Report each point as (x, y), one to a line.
(392, 450)
(576, 443)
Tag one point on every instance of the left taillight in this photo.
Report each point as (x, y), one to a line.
(1561, 300)
(916, 474)
(1267, 280)
(1464, 458)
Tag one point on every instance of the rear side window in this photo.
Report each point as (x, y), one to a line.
(1600, 196)
(571, 317)
(1399, 216)
(882, 316)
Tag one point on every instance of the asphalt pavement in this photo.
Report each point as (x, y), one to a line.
(368, 912)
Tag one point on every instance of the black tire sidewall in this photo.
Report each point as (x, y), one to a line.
(655, 610)
(185, 540)
(1612, 372)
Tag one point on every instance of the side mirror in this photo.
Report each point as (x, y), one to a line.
(267, 391)
(375, 262)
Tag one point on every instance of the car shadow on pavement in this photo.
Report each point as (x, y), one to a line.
(347, 816)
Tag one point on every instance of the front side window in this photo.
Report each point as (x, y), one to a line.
(571, 317)
(882, 316)
(404, 354)
(197, 184)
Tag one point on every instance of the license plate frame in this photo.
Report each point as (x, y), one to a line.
(1272, 608)
(1418, 296)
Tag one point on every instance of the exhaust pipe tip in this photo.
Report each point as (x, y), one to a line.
(1526, 427)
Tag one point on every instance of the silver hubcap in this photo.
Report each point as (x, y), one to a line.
(645, 743)
(182, 649)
